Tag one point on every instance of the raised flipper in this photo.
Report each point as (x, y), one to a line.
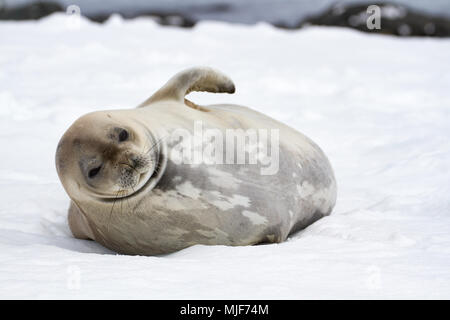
(193, 79)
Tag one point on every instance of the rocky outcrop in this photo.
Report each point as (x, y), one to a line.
(30, 11)
(395, 20)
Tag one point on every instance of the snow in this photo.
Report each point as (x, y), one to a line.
(377, 105)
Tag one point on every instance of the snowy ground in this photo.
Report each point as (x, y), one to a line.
(377, 105)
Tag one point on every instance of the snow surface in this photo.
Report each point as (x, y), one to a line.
(377, 105)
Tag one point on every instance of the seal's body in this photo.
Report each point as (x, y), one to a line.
(136, 191)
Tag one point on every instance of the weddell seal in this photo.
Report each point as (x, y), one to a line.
(171, 174)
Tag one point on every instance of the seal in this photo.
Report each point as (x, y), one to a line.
(144, 181)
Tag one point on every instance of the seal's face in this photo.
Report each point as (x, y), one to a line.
(105, 155)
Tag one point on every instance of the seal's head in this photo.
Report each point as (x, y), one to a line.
(106, 155)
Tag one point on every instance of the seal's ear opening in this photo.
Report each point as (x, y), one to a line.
(194, 79)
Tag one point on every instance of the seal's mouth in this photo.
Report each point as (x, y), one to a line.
(143, 179)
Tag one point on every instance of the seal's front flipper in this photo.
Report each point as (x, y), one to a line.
(78, 223)
(194, 79)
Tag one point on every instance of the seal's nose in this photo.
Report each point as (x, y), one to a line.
(135, 163)
(129, 160)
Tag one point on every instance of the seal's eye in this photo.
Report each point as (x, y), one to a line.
(93, 172)
(123, 135)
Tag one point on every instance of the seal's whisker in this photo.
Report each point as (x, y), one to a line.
(112, 208)
(158, 167)
(128, 202)
(121, 207)
(155, 144)
(145, 146)
(130, 210)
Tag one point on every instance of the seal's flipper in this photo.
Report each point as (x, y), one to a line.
(78, 223)
(194, 79)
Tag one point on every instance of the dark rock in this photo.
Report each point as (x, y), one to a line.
(395, 20)
(37, 10)
(31, 11)
(163, 18)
